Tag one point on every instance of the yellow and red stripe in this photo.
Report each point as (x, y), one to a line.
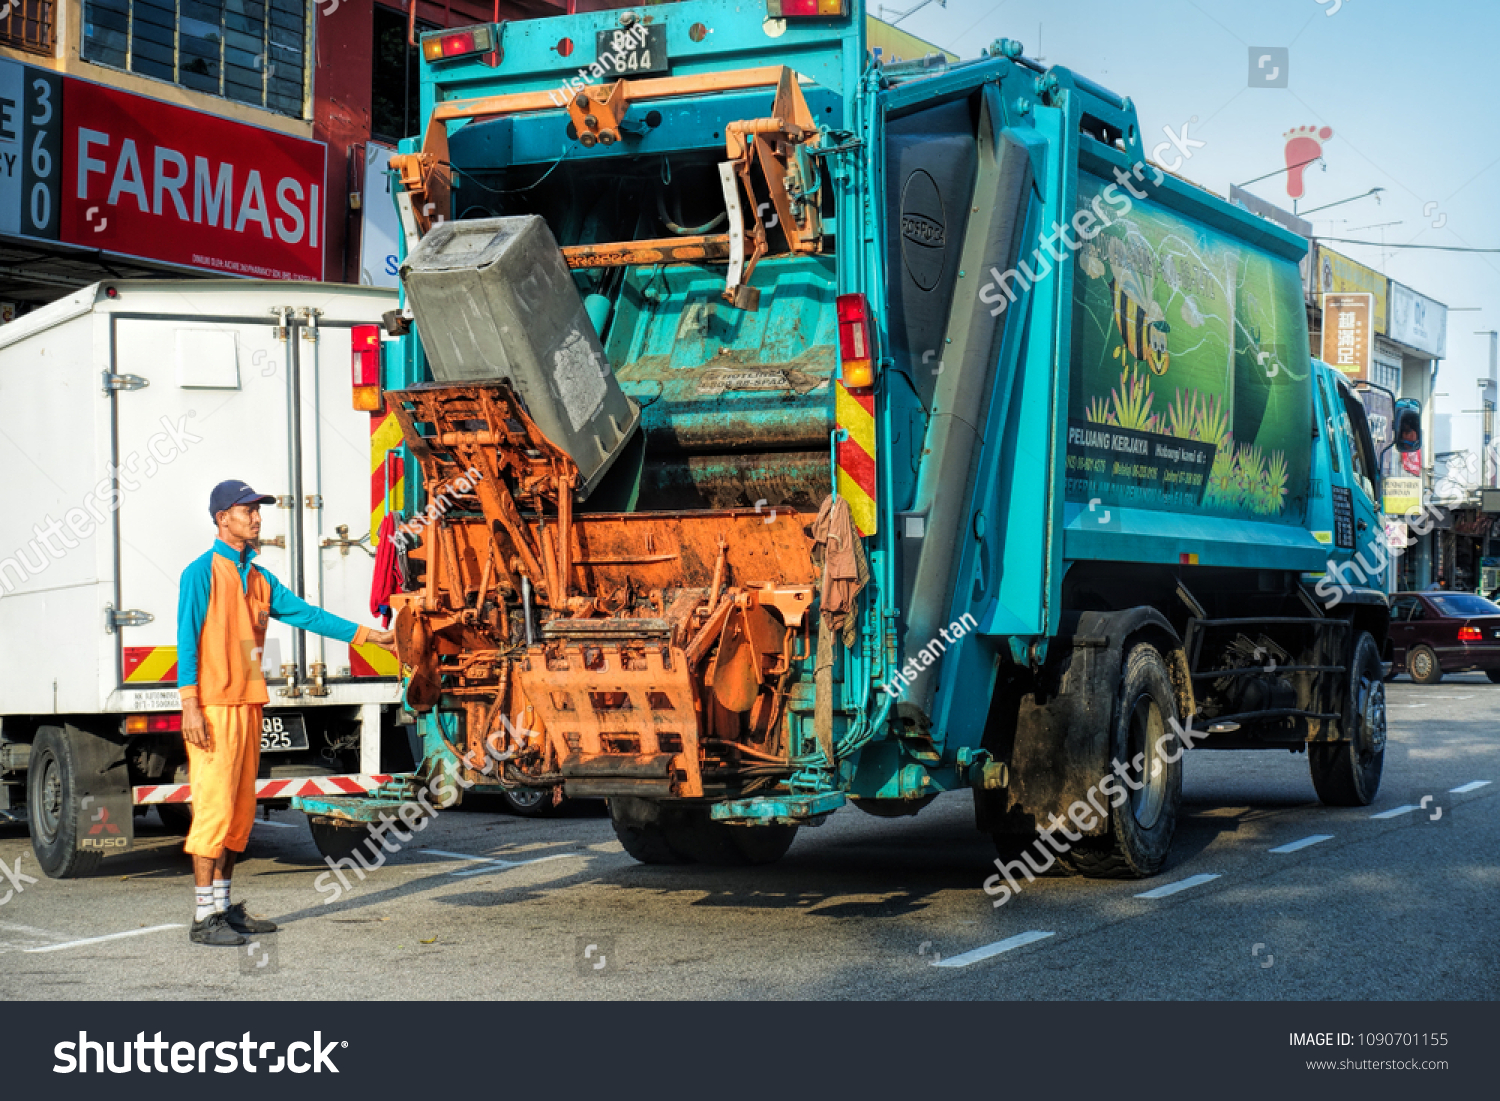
(385, 435)
(150, 664)
(854, 412)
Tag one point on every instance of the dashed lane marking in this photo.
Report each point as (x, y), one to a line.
(1304, 843)
(1471, 786)
(107, 936)
(975, 955)
(1180, 885)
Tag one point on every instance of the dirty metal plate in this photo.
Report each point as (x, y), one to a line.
(717, 380)
(632, 52)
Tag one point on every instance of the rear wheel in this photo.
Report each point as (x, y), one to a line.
(54, 791)
(1423, 666)
(1140, 828)
(531, 802)
(338, 838)
(667, 834)
(1347, 773)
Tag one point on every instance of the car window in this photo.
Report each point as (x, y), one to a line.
(1404, 609)
(1464, 604)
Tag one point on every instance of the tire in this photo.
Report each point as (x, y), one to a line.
(1423, 665)
(1347, 773)
(1140, 829)
(689, 835)
(1494, 675)
(531, 802)
(337, 838)
(54, 790)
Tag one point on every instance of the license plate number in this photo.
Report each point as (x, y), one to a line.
(282, 733)
(632, 51)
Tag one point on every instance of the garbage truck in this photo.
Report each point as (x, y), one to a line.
(798, 431)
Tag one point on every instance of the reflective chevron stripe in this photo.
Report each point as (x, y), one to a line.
(855, 414)
(151, 794)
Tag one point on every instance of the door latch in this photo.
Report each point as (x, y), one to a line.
(113, 382)
(343, 542)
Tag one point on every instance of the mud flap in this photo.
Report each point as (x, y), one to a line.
(1054, 731)
(105, 808)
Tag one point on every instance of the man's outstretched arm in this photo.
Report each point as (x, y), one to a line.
(288, 607)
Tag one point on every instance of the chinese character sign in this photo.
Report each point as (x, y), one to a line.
(1348, 337)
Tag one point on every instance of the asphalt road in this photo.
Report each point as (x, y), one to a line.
(485, 905)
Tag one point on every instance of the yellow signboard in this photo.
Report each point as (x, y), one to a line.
(897, 45)
(1402, 496)
(1337, 274)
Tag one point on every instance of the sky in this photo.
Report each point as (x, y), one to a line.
(1406, 86)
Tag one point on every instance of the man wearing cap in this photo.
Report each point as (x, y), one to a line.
(225, 604)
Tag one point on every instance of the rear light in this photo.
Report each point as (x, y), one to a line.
(465, 43)
(153, 724)
(1470, 634)
(365, 368)
(856, 352)
(806, 9)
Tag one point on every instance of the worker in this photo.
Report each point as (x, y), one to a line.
(223, 608)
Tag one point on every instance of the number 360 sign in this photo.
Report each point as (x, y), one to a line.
(30, 150)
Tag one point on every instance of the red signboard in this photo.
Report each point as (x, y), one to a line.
(162, 182)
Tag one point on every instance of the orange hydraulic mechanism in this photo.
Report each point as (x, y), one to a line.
(647, 654)
(778, 145)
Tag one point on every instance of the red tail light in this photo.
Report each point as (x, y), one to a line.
(806, 9)
(464, 43)
(1470, 634)
(856, 350)
(164, 723)
(365, 367)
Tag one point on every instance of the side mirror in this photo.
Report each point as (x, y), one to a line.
(1408, 426)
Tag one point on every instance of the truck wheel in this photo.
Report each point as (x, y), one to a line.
(530, 802)
(689, 835)
(338, 838)
(1347, 773)
(1140, 829)
(645, 841)
(1423, 666)
(53, 792)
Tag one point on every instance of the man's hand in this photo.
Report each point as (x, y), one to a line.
(386, 640)
(194, 729)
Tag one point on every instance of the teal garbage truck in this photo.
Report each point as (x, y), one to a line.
(784, 429)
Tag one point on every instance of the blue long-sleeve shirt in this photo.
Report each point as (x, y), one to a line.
(197, 589)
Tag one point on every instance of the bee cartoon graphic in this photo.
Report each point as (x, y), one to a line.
(1139, 319)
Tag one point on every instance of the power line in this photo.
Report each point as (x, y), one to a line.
(1377, 244)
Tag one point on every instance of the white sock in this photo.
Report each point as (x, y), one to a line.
(221, 895)
(205, 900)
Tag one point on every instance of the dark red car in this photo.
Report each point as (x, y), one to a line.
(1438, 632)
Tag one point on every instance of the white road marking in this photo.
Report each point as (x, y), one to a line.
(1304, 843)
(108, 936)
(1020, 940)
(13, 927)
(1468, 787)
(278, 825)
(1397, 811)
(1408, 706)
(1180, 885)
(1430, 697)
(489, 863)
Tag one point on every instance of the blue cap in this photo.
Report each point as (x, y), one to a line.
(228, 494)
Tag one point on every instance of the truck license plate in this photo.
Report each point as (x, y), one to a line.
(282, 733)
(632, 52)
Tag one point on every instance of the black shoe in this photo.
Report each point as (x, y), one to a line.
(242, 922)
(214, 930)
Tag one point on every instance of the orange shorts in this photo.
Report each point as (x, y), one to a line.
(223, 780)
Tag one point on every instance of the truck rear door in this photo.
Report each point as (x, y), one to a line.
(197, 399)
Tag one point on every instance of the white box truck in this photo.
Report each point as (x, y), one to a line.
(121, 406)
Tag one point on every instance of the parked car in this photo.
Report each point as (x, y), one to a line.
(1433, 633)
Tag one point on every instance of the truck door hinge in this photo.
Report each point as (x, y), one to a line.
(113, 382)
(281, 313)
(314, 500)
(114, 619)
(310, 315)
